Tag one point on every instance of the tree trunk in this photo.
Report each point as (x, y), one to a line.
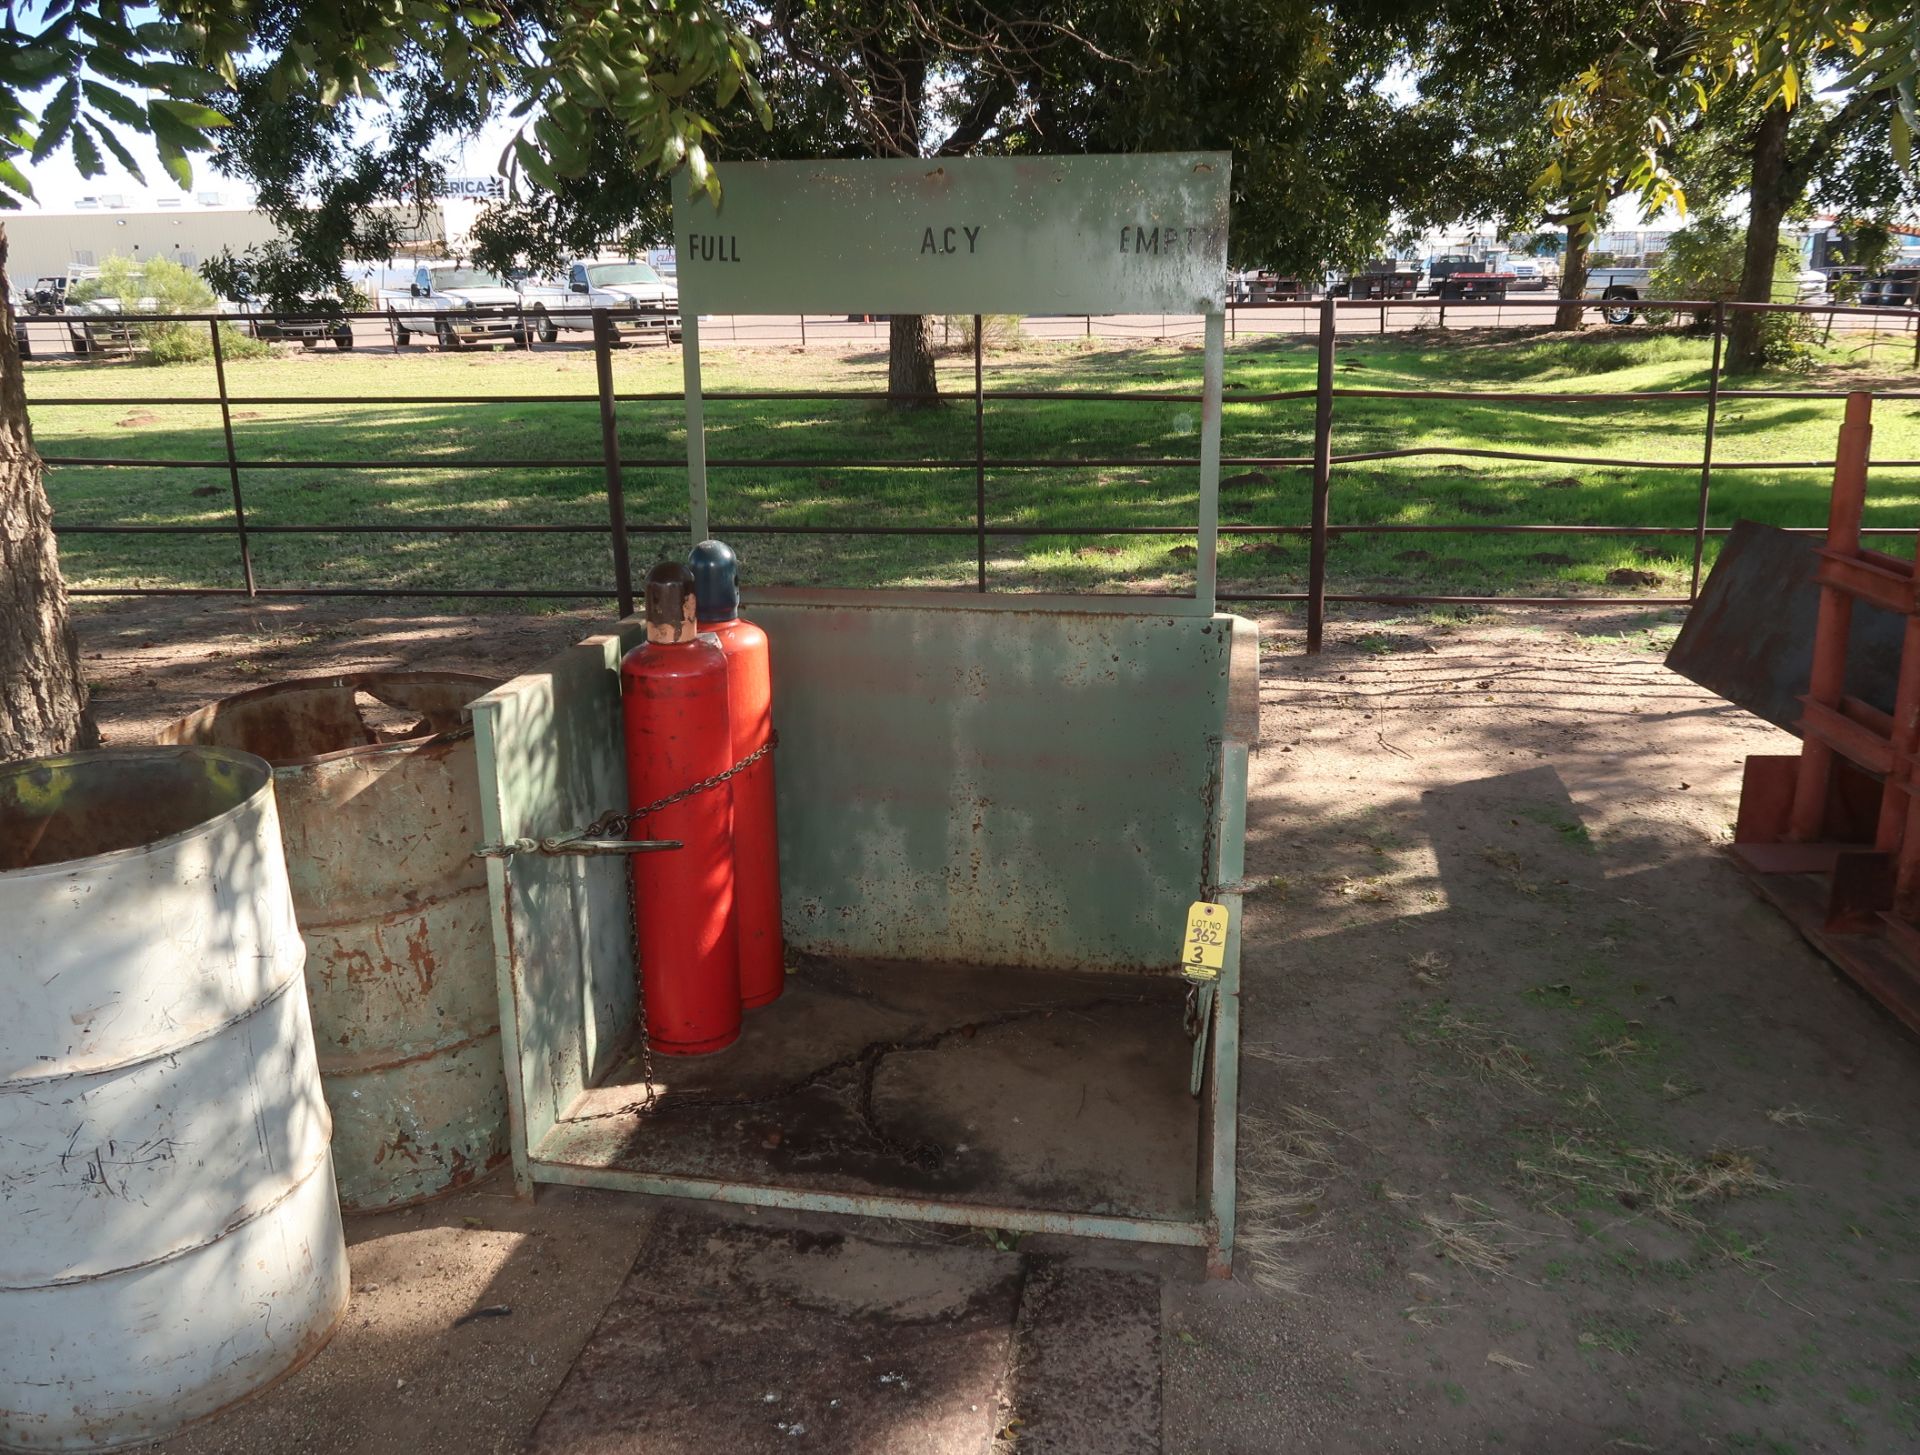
(910, 361)
(1767, 208)
(43, 702)
(1573, 278)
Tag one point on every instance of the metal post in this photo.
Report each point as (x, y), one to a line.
(610, 457)
(1206, 567)
(1706, 451)
(979, 456)
(803, 333)
(233, 458)
(696, 426)
(1322, 482)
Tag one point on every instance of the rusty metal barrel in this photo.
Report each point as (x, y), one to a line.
(380, 810)
(171, 1240)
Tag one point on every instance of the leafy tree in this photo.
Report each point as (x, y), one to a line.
(1326, 158)
(1706, 260)
(1556, 121)
(83, 77)
(1846, 66)
(160, 285)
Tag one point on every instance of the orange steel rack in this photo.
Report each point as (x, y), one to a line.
(1831, 835)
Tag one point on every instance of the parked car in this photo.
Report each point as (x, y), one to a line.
(457, 304)
(18, 323)
(47, 296)
(1621, 286)
(637, 299)
(312, 320)
(98, 325)
(1528, 276)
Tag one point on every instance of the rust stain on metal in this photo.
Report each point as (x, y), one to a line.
(379, 802)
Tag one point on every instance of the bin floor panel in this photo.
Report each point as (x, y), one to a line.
(1009, 1088)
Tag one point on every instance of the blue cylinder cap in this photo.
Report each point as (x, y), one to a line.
(716, 581)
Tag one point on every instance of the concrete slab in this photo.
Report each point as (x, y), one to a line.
(1014, 1088)
(746, 1340)
(1087, 1374)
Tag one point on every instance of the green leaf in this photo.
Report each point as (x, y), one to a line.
(174, 160)
(179, 80)
(567, 152)
(533, 164)
(14, 180)
(56, 120)
(117, 104)
(86, 156)
(120, 153)
(165, 125)
(200, 118)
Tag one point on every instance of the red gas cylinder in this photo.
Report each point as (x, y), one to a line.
(756, 838)
(673, 692)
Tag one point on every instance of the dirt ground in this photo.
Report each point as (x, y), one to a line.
(1555, 1138)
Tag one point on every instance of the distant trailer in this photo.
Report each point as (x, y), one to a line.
(1270, 288)
(1384, 285)
(1474, 287)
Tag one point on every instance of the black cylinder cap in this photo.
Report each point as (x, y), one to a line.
(716, 580)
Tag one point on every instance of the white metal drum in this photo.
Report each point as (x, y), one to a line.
(172, 1237)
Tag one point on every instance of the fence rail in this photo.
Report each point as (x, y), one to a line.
(1321, 529)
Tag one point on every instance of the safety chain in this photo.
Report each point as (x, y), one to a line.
(611, 824)
(1198, 1013)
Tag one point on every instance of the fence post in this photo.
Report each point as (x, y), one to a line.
(610, 458)
(1322, 481)
(233, 458)
(979, 457)
(1706, 451)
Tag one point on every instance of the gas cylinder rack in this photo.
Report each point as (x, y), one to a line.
(994, 810)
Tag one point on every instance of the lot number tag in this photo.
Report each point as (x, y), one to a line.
(1204, 949)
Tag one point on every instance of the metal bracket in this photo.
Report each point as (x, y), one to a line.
(575, 844)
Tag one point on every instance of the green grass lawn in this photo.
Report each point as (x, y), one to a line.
(1422, 490)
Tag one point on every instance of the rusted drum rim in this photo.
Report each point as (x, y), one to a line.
(358, 682)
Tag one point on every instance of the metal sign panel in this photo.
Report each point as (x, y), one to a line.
(1097, 234)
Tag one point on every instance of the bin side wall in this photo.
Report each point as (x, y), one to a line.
(551, 761)
(995, 787)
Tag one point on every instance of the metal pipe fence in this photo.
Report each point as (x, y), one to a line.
(1321, 528)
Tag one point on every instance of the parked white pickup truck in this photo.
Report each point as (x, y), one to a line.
(1620, 286)
(458, 305)
(637, 299)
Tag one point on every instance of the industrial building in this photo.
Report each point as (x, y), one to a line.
(190, 230)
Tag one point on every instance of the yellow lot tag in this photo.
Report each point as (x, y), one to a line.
(1204, 949)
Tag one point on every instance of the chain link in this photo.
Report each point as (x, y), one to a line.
(612, 824)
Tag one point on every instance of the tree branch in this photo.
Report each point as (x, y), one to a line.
(969, 131)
